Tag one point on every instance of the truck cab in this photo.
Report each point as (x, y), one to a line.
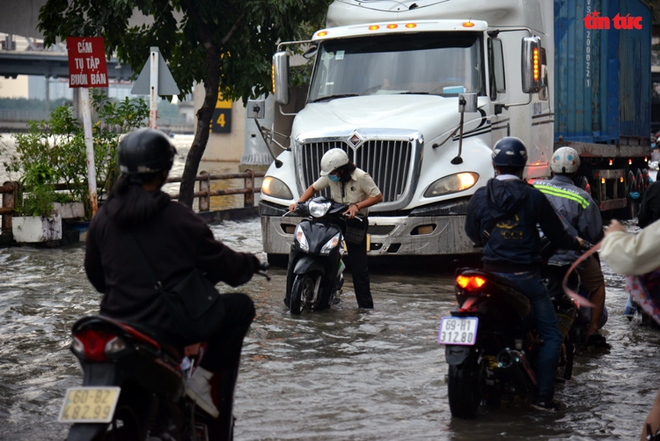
(416, 93)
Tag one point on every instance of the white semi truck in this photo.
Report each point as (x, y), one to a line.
(417, 93)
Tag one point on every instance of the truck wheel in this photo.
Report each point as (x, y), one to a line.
(302, 293)
(630, 210)
(646, 179)
(463, 388)
(641, 188)
(582, 182)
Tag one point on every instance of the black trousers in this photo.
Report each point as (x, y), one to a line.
(223, 351)
(357, 263)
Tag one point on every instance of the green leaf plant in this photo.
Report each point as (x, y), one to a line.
(52, 154)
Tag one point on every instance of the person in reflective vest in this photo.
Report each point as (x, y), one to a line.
(581, 217)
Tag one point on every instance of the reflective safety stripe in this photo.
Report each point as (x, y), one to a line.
(561, 193)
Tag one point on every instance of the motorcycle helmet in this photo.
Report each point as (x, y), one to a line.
(145, 151)
(509, 152)
(332, 160)
(565, 160)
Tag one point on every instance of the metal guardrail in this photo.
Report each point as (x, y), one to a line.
(9, 191)
(205, 193)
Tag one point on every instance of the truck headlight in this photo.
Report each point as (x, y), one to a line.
(452, 184)
(275, 188)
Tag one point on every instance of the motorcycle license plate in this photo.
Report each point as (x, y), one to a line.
(458, 331)
(89, 405)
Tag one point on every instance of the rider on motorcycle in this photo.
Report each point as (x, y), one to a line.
(581, 216)
(354, 187)
(138, 215)
(503, 217)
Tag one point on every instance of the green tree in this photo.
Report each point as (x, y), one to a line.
(227, 45)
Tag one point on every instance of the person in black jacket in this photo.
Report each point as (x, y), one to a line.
(649, 210)
(140, 225)
(503, 217)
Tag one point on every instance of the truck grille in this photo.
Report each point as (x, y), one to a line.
(388, 163)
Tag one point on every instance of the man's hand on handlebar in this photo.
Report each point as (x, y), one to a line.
(352, 211)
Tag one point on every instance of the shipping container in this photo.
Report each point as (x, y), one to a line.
(602, 74)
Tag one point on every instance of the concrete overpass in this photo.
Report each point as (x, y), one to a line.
(50, 64)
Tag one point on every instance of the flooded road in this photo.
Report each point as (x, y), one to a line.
(336, 375)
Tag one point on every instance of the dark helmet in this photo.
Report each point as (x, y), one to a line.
(509, 152)
(145, 151)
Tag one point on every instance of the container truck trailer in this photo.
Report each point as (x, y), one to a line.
(418, 92)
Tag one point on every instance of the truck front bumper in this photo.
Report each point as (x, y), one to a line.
(432, 232)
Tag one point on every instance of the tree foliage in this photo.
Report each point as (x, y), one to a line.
(225, 44)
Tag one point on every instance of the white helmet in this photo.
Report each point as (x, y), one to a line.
(332, 160)
(565, 160)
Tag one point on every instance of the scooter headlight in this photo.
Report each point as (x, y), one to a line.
(331, 244)
(319, 209)
(299, 236)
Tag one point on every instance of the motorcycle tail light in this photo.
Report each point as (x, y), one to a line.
(91, 344)
(115, 346)
(470, 283)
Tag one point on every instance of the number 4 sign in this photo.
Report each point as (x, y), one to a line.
(221, 122)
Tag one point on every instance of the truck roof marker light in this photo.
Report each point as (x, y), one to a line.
(322, 34)
(468, 24)
(411, 25)
(392, 26)
(374, 27)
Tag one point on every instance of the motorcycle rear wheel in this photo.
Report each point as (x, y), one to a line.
(565, 367)
(302, 293)
(128, 426)
(463, 388)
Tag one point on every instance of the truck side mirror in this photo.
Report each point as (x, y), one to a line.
(256, 109)
(281, 78)
(467, 102)
(532, 80)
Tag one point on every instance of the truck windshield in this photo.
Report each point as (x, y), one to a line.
(443, 64)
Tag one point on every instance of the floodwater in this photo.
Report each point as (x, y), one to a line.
(340, 374)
